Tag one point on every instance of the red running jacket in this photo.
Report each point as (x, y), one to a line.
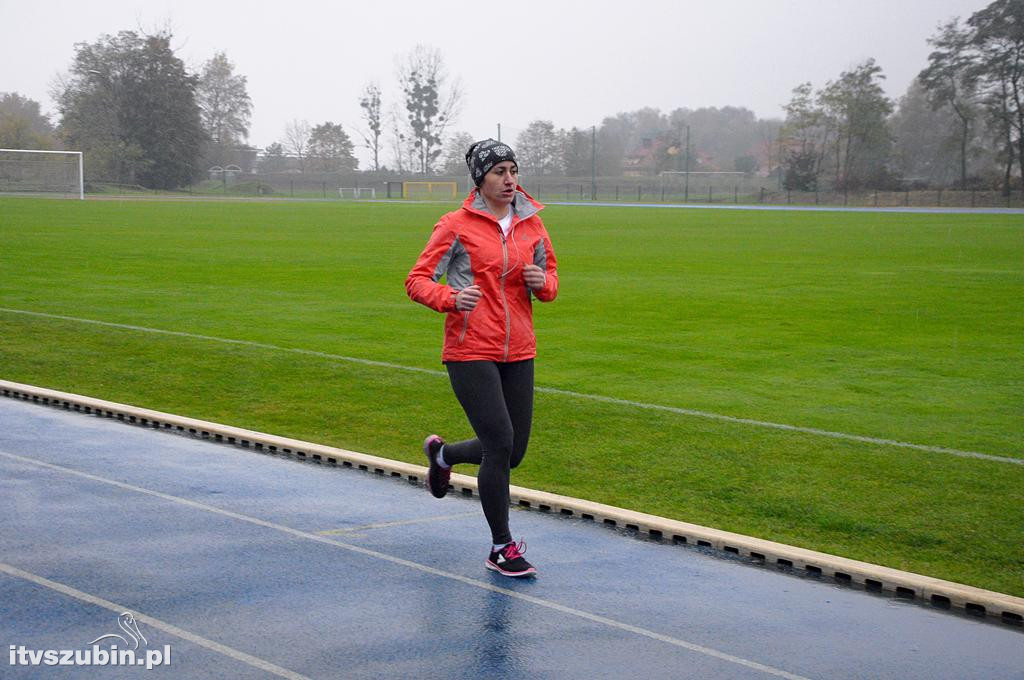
(467, 248)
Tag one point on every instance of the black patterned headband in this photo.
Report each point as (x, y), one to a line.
(484, 155)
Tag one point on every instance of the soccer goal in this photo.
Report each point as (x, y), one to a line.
(357, 192)
(36, 172)
(430, 190)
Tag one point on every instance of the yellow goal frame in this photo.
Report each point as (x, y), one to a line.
(453, 188)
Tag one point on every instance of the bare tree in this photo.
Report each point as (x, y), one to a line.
(767, 145)
(403, 147)
(455, 153)
(540, 147)
(370, 102)
(296, 139)
(431, 101)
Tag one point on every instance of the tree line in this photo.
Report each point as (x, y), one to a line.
(142, 118)
(959, 124)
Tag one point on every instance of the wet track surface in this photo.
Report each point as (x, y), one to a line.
(249, 565)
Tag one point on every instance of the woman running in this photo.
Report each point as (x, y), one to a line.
(495, 256)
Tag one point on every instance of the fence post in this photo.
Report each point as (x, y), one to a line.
(846, 195)
(940, 197)
(906, 198)
(567, 192)
(972, 198)
(638, 192)
(789, 196)
(876, 198)
(735, 193)
(662, 193)
(815, 195)
(709, 194)
(581, 191)
(616, 192)
(762, 194)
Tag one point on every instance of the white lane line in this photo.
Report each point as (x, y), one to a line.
(396, 523)
(579, 613)
(546, 390)
(248, 659)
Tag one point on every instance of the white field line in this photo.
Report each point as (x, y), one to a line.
(248, 659)
(297, 533)
(547, 390)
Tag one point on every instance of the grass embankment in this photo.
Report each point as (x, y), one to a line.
(904, 327)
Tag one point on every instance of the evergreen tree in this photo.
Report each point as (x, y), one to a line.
(330, 149)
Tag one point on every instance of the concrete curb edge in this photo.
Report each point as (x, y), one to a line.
(944, 594)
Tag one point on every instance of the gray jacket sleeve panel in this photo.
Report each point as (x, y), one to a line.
(455, 265)
(540, 255)
(442, 264)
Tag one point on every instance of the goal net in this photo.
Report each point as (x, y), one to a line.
(429, 190)
(357, 192)
(35, 172)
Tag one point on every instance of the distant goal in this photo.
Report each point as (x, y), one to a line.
(430, 190)
(357, 192)
(41, 173)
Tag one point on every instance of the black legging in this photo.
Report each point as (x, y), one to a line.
(498, 401)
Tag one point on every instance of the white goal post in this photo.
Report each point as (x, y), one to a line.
(357, 192)
(35, 171)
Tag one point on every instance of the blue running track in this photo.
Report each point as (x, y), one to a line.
(246, 565)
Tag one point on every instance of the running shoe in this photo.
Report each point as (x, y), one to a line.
(437, 476)
(509, 561)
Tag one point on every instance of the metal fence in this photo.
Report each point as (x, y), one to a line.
(673, 189)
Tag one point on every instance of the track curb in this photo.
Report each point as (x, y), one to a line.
(943, 594)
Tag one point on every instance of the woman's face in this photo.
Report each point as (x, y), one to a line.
(499, 185)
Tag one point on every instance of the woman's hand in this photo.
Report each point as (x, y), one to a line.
(534, 276)
(466, 299)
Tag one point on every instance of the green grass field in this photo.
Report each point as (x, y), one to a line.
(894, 326)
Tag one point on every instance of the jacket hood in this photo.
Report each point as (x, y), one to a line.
(523, 205)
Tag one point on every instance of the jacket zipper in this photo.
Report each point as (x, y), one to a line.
(504, 299)
(465, 325)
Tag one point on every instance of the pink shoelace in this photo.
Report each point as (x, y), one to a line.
(513, 550)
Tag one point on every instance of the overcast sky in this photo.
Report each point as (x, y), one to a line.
(571, 62)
